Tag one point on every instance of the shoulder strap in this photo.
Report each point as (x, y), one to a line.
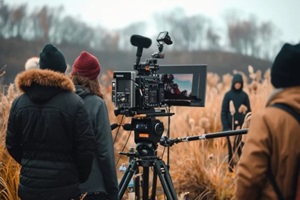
(288, 109)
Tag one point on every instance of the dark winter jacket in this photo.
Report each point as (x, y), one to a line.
(50, 135)
(238, 97)
(273, 137)
(103, 177)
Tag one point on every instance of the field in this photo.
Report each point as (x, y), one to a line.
(198, 168)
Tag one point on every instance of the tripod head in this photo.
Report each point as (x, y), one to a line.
(147, 134)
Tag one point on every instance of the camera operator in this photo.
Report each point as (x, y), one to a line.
(102, 183)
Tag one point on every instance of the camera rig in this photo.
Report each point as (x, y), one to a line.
(141, 97)
(140, 93)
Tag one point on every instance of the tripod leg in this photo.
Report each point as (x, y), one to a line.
(145, 183)
(137, 184)
(126, 178)
(154, 184)
(165, 179)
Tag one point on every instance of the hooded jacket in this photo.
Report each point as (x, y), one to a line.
(238, 97)
(103, 177)
(50, 136)
(273, 137)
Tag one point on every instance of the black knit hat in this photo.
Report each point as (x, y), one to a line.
(285, 71)
(51, 58)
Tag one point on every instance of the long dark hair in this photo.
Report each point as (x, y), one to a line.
(92, 85)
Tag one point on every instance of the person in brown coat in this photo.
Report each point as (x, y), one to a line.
(273, 138)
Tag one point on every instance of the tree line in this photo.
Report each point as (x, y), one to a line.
(245, 36)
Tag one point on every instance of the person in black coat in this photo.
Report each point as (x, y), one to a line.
(235, 106)
(49, 133)
(102, 183)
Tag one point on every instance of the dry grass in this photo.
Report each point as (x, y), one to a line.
(9, 178)
(9, 169)
(198, 168)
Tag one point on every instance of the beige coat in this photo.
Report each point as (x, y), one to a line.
(273, 134)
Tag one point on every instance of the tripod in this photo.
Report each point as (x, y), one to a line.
(145, 157)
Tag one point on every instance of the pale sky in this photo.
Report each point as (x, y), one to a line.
(113, 14)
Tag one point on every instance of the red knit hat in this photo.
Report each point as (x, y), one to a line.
(86, 65)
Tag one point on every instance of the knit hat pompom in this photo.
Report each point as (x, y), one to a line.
(285, 71)
(51, 58)
(86, 65)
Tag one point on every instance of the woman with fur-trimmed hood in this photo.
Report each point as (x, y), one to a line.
(48, 132)
(102, 182)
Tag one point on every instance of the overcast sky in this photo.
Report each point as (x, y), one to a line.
(113, 14)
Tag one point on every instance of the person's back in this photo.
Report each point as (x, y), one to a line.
(102, 183)
(49, 134)
(273, 138)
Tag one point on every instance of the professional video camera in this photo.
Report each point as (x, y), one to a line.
(139, 93)
(149, 91)
(155, 86)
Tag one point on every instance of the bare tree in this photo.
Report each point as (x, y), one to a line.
(70, 30)
(52, 24)
(187, 31)
(268, 32)
(247, 36)
(242, 37)
(4, 19)
(213, 39)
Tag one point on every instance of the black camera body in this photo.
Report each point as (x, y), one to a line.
(136, 94)
(152, 92)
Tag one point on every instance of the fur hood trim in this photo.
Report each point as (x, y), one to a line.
(43, 77)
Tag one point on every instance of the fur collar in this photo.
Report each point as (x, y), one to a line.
(43, 77)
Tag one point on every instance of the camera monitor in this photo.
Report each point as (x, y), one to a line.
(184, 85)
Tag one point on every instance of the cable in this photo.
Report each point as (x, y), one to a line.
(118, 131)
(123, 148)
